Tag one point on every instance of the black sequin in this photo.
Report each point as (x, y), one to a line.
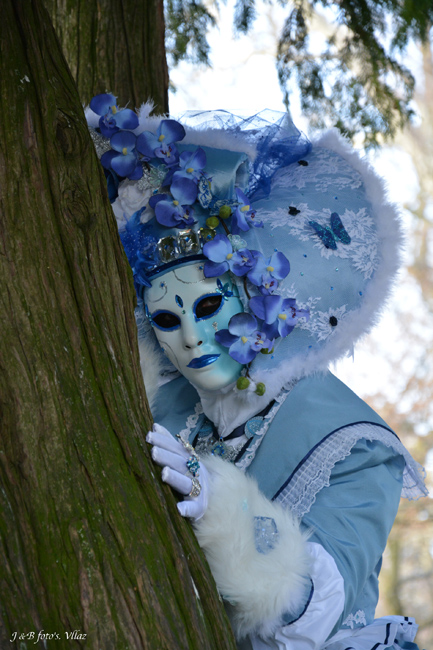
(303, 163)
(333, 321)
(293, 211)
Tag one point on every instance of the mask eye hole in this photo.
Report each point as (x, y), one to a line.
(165, 320)
(207, 306)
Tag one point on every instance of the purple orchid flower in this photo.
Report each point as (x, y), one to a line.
(123, 158)
(280, 314)
(161, 144)
(268, 270)
(269, 287)
(222, 258)
(176, 213)
(112, 118)
(244, 217)
(191, 164)
(242, 262)
(243, 338)
(219, 253)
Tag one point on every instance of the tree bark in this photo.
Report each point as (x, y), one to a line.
(90, 540)
(115, 46)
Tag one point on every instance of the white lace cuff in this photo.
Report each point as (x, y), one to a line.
(313, 627)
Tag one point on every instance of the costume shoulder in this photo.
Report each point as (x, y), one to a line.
(318, 424)
(316, 408)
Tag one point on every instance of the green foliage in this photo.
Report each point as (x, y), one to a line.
(187, 22)
(245, 13)
(357, 82)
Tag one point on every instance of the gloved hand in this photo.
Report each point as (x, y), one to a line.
(172, 456)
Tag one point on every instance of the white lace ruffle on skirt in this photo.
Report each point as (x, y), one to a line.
(389, 632)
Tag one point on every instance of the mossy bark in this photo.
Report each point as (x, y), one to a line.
(115, 46)
(90, 539)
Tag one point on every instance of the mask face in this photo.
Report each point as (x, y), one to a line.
(186, 310)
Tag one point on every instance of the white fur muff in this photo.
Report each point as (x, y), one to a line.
(259, 587)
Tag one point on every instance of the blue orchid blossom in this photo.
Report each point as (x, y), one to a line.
(161, 144)
(176, 211)
(222, 258)
(244, 216)
(191, 164)
(123, 157)
(243, 338)
(279, 314)
(268, 270)
(219, 253)
(269, 287)
(112, 118)
(243, 262)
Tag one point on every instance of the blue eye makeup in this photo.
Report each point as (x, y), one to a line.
(166, 320)
(207, 306)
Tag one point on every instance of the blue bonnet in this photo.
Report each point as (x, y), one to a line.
(304, 228)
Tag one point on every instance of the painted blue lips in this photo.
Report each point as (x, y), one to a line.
(203, 361)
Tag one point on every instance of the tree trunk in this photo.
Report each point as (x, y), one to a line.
(90, 540)
(115, 46)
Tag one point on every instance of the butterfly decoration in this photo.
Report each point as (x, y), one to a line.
(224, 289)
(330, 236)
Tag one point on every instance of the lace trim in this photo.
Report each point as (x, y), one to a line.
(191, 422)
(251, 450)
(387, 632)
(314, 474)
(355, 619)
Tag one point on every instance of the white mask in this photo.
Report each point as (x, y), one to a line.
(186, 310)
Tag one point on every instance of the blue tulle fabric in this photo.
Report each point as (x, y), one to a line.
(277, 141)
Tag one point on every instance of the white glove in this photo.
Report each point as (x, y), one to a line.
(171, 455)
